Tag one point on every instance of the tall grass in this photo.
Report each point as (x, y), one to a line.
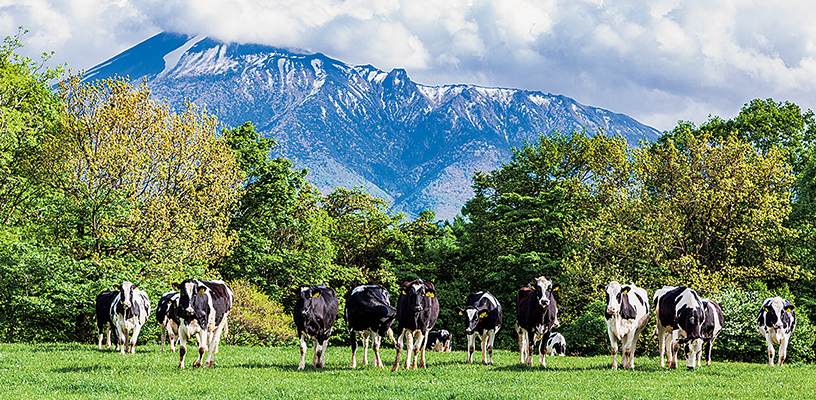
(73, 371)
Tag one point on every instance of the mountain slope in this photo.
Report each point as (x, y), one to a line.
(412, 144)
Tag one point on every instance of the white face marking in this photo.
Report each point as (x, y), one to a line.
(612, 290)
(417, 286)
(470, 313)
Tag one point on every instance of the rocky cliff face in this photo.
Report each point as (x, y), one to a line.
(411, 144)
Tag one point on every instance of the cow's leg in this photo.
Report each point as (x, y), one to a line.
(524, 346)
(163, 335)
(134, 338)
(672, 350)
(214, 340)
(172, 332)
(366, 337)
(709, 350)
(320, 361)
(661, 344)
(375, 345)
(182, 344)
(353, 349)
(770, 350)
(409, 347)
(541, 349)
(302, 351)
(783, 349)
(201, 337)
(123, 338)
(485, 338)
(471, 347)
(423, 340)
(491, 339)
(613, 345)
(398, 346)
(317, 351)
(530, 347)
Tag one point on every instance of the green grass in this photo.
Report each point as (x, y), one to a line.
(73, 371)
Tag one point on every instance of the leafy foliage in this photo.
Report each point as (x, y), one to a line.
(255, 319)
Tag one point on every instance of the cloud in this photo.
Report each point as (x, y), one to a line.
(657, 60)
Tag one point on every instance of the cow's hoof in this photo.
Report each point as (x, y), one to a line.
(196, 364)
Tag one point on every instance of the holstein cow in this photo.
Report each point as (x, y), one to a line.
(369, 312)
(440, 340)
(680, 315)
(167, 315)
(203, 308)
(103, 317)
(315, 313)
(417, 312)
(129, 311)
(776, 322)
(714, 320)
(483, 318)
(556, 345)
(627, 312)
(536, 312)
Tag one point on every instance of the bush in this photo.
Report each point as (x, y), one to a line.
(255, 319)
(587, 335)
(741, 341)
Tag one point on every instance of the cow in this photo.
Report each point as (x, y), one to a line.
(627, 313)
(776, 321)
(556, 345)
(417, 312)
(714, 320)
(369, 312)
(103, 318)
(536, 312)
(203, 308)
(167, 315)
(680, 316)
(440, 340)
(483, 319)
(128, 312)
(315, 313)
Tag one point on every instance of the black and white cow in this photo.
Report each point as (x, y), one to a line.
(714, 320)
(315, 313)
(440, 340)
(556, 345)
(369, 312)
(167, 315)
(417, 312)
(129, 311)
(103, 318)
(776, 322)
(680, 317)
(483, 319)
(537, 312)
(627, 313)
(203, 309)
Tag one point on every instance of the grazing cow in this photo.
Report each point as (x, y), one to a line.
(680, 313)
(103, 318)
(315, 313)
(483, 318)
(203, 308)
(369, 311)
(417, 312)
(440, 340)
(167, 315)
(776, 322)
(556, 345)
(537, 312)
(714, 320)
(627, 312)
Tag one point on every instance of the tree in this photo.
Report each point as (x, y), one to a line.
(137, 180)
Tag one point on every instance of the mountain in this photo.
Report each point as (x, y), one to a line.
(414, 145)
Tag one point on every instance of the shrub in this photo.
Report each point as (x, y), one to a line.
(255, 319)
(587, 334)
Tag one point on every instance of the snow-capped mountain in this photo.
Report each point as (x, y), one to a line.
(408, 143)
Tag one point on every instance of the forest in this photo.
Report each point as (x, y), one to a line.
(99, 184)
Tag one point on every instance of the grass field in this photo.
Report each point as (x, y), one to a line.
(73, 371)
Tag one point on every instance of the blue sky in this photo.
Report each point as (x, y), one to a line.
(658, 61)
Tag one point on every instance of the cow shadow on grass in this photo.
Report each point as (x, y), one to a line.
(552, 366)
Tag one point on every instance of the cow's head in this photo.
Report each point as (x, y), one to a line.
(306, 294)
(617, 300)
(127, 293)
(543, 289)
(778, 313)
(472, 318)
(415, 291)
(193, 297)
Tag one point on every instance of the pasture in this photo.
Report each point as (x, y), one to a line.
(74, 371)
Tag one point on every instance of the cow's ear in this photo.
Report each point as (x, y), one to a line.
(789, 308)
(556, 287)
(483, 314)
(766, 309)
(533, 286)
(202, 290)
(624, 290)
(460, 311)
(601, 288)
(430, 293)
(176, 286)
(118, 287)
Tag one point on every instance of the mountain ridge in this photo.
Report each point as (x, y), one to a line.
(412, 144)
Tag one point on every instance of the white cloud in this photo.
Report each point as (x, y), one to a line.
(657, 60)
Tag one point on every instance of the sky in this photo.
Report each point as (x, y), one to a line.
(659, 61)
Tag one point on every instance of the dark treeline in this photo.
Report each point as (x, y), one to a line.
(101, 184)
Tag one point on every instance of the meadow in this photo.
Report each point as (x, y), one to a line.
(74, 371)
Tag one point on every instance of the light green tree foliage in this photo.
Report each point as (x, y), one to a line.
(136, 179)
(282, 232)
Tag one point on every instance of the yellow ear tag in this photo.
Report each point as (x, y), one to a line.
(202, 290)
(624, 291)
(317, 294)
(403, 292)
(429, 294)
(533, 287)
(788, 309)
(483, 314)
(555, 288)
(461, 313)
